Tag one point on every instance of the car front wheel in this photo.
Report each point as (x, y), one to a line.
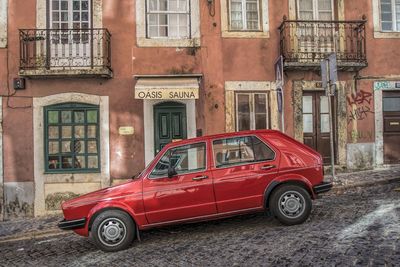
(113, 230)
(291, 204)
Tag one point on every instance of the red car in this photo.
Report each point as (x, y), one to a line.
(201, 179)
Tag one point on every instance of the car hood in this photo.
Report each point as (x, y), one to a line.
(105, 194)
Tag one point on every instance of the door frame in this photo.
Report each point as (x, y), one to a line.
(148, 123)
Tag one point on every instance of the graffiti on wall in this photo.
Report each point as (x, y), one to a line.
(360, 104)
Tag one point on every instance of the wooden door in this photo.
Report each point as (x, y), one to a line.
(316, 128)
(391, 127)
(169, 124)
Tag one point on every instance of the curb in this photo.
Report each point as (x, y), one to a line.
(32, 235)
(341, 189)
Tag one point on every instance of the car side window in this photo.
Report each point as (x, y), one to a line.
(238, 150)
(185, 159)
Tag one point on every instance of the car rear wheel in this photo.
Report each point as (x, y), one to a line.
(113, 230)
(290, 204)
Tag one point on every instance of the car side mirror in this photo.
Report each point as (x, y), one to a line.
(171, 172)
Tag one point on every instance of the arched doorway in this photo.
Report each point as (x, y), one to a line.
(169, 124)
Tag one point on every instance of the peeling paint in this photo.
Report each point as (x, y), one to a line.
(54, 201)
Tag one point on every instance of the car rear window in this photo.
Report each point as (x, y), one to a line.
(239, 150)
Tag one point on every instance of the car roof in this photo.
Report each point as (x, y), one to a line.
(221, 135)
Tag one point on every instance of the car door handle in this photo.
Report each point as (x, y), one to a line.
(199, 178)
(267, 167)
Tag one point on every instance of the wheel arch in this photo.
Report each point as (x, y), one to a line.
(97, 210)
(302, 182)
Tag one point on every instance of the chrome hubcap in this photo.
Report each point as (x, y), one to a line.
(112, 232)
(292, 204)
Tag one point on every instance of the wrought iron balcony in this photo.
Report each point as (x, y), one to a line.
(304, 44)
(65, 53)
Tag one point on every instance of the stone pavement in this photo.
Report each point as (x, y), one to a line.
(352, 229)
(39, 227)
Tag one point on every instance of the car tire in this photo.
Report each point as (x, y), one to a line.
(290, 204)
(113, 230)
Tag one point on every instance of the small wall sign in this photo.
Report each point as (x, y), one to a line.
(126, 130)
(386, 85)
(166, 93)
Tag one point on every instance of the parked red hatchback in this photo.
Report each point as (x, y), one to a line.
(200, 179)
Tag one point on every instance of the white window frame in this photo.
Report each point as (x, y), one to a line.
(262, 32)
(167, 12)
(244, 16)
(141, 28)
(394, 17)
(3, 23)
(315, 9)
(252, 108)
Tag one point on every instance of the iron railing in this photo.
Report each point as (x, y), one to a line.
(305, 42)
(64, 49)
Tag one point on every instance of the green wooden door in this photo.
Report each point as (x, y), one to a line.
(169, 124)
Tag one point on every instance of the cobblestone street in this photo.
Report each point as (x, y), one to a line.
(360, 228)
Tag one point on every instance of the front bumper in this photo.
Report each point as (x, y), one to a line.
(72, 224)
(322, 187)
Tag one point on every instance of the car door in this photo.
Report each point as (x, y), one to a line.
(188, 194)
(243, 167)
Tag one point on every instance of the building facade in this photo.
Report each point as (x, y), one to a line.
(91, 90)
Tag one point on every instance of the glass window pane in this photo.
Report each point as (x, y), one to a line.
(92, 131)
(325, 123)
(261, 150)
(55, 5)
(324, 104)
(80, 162)
(66, 147)
(64, 5)
(66, 162)
(53, 147)
(79, 147)
(260, 102)
(75, 5)
(246, 149)
(307, 104)
(53, 162)
(308, 123)
(226, 151)
(92, 146)
(85, 5)
(261, 121)
(92, 116)
(53, 132)
(79, 131)
(79, 116)
(66, 131)
(93, 162)
(66, 116)
(243, 103)
(391, 104)
(53, 116)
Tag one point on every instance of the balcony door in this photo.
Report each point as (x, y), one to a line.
(318, 38)
(316, 128)
(70, 21)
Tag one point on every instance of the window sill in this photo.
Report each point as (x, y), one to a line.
(384, 35)
(165, 42)
(244, 34)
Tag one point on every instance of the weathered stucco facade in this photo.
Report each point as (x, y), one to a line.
(226, 65)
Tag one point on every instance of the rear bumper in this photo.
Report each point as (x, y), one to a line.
(322, 187)
(72, 224)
